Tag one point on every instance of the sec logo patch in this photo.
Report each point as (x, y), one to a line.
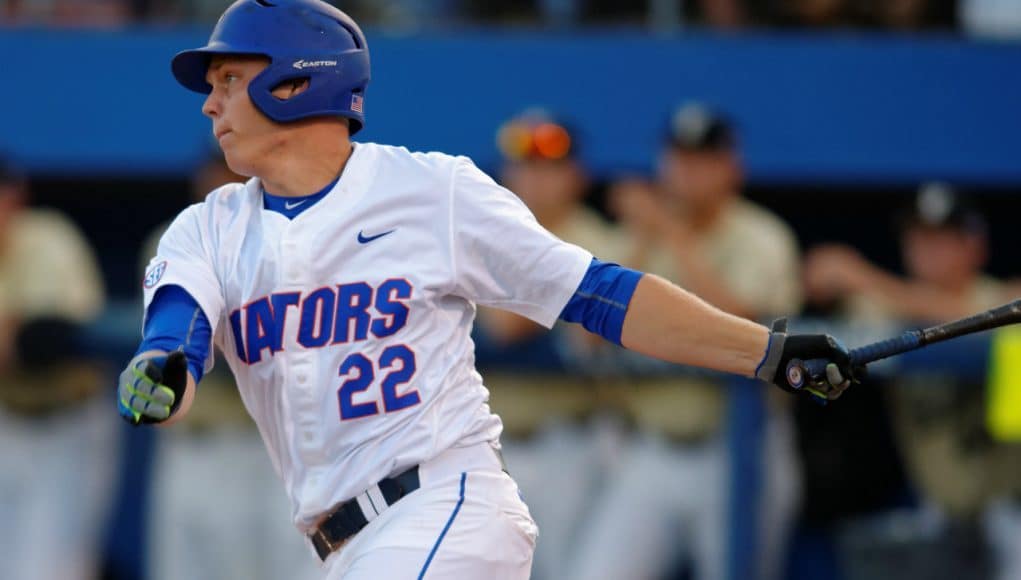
(155, 274)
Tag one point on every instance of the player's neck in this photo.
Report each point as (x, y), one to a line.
(296, 173)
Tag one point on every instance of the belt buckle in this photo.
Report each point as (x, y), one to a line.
(322, 544)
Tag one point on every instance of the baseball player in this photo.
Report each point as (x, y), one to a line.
(341, 282)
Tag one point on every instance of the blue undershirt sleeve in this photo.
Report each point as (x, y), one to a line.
(602, 299)
(175, 321)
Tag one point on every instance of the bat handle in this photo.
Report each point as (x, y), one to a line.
(910, 340)
(800, 373)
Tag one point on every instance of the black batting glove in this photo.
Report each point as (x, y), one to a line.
(783, 364)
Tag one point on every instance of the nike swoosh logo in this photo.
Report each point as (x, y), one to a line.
(289, 206)
(363, 239)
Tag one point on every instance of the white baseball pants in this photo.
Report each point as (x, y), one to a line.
(466, 521)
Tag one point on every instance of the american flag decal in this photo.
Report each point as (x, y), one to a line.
(356, 103)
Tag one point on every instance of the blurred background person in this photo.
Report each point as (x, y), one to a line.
(668, 498)
(57, 440)
(212, 477)
(68, 13)
(944, 247)
(964, 476)
(556, 442)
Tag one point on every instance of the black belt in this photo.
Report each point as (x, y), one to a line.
(348, 518)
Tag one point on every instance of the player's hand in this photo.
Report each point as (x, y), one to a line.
(784, 348)
(834, 270)
(636, 204)
(152, 386)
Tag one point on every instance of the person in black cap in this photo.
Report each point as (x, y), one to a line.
(693, 227)
(694, 214)
(944, 245)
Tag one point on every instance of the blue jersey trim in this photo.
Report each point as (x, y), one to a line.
(457, 508)
(175, 321)
(291, 207)
(601, 301)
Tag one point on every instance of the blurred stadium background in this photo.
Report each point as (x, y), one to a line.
(855, 163)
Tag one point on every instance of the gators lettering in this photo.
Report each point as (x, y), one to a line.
(338, 314)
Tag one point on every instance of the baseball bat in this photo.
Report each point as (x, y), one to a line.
(798, 371)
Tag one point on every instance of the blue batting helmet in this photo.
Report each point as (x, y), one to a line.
(303, 39)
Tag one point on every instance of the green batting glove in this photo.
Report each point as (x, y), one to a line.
(151, 387)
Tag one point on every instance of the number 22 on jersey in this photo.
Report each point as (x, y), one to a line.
(399, 361)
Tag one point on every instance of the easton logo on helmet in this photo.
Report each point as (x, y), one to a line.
(303, 64)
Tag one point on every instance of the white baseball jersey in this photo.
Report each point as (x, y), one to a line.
(348, 327)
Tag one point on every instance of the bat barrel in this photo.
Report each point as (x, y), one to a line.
(995, 318)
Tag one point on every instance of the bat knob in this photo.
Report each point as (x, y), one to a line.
(800, 373)
(796, 373)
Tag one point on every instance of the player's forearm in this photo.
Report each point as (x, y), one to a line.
(176, 330)
(671, 324)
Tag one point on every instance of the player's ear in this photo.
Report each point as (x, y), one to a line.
(290, 88)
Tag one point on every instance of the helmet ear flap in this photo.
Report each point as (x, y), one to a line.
(330, 92)
(293, 87)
